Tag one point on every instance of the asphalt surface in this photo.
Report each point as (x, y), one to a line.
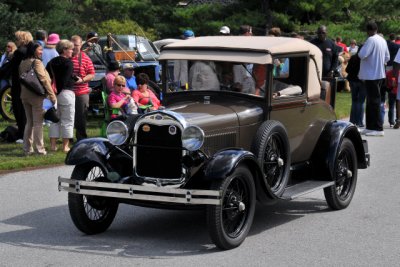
(36, 229)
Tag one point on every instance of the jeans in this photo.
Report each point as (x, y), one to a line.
(373, 107)
(358, 95)
(391, 102)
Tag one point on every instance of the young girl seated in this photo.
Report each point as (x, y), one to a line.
(120, 98)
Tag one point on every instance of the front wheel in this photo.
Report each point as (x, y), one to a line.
(6, 104)
(339, 195)
(230, 222)
(91, 214)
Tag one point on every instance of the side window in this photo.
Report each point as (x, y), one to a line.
(289, 76)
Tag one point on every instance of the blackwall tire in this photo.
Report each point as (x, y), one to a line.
(91, 214)
(229, 223)
(339, 195)
(272, 150)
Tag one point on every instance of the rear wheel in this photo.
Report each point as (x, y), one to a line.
(230, 222)
(339, 195)
(6, 104)
(91, 214)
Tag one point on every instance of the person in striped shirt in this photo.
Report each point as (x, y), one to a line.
(83, 73)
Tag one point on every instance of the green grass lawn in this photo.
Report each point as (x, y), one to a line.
(13, 158)
(343, 105)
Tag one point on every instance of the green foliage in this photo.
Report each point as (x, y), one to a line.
(124, 27)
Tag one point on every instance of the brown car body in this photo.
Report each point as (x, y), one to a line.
(226, 136)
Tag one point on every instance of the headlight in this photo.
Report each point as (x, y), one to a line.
(117, 132)
(192, 138)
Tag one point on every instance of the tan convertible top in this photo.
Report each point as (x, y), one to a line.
(237, 48)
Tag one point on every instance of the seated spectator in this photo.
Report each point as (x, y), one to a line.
(128, 72)
(143, 96)
(112, 72)
(120, 98)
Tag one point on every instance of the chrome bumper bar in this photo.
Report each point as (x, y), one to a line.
(139, 192)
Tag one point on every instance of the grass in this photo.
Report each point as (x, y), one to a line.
(343, 104)
(12, 157)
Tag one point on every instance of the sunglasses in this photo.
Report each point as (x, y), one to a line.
(120, 85)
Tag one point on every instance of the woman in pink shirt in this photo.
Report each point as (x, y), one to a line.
(143, 95)
(120, 96)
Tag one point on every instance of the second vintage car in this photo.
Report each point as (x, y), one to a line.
(245, 119)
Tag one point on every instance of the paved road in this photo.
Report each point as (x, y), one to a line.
(36, 230)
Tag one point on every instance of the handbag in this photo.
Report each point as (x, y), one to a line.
(51, 115)
(31, 81)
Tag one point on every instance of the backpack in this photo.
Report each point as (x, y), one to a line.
(10, 134)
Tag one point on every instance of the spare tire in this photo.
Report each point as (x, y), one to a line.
(272, 149)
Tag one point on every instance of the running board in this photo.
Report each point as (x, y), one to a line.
(297, 190)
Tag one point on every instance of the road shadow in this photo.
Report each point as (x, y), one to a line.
(139, 232)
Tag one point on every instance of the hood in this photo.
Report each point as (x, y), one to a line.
(207, 116)
(217, 116)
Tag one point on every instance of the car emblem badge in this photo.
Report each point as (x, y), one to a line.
(172, 130)
(146, 128)
(158, 117)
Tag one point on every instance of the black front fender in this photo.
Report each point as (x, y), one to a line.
(89, 150)
(224, 162)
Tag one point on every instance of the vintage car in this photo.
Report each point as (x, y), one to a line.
(253, 123)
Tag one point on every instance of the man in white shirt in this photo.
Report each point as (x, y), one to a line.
(374, 54)
(396, 69)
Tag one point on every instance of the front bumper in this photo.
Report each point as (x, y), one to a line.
(140, 192)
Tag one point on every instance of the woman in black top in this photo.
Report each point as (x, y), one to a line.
(61, 68)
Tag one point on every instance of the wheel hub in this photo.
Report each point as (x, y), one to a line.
(235, 205)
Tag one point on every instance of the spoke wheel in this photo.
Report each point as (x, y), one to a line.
(271, 147)
(230, 222)
(341, 193)
(6, 104)
(91, 214)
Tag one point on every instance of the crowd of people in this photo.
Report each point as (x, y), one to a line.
(370, 72)
(58, 62)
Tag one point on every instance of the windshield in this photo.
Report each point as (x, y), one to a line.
(239, 77)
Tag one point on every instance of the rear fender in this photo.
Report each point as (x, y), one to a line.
(328, 146)
(224, 162)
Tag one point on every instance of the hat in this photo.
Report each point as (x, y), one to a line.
(225, 30)
(53, 39)
(113, 65)
(188, 34)
(91, 36)
(127, 66)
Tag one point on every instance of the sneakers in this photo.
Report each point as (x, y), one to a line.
(19, 141)
(397, 125)
(374, 133)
